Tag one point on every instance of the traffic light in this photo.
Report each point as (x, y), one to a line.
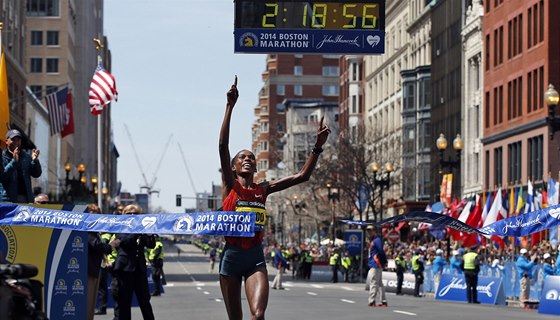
(178, 200)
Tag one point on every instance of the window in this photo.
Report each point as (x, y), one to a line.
(330, 90)
(36, 38)
(298, 70)
(36, 65)
(43, 8)
(52, 38)
(52, 65)
(487, 109)
(498, 163)
(280, 89)
(36, 91)
(514, 155)
(354, 104)
(536, 157)
(280, 108)
(409, 95)
(298, 90)
(333, 71)
(262, 165)
(264, 146)
(51, 89)
(264, 126)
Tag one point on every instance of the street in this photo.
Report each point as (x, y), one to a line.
(194, 293)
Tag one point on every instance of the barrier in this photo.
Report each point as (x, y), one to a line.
(550, 299)
(454, 288)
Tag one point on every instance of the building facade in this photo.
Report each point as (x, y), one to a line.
(520, 60)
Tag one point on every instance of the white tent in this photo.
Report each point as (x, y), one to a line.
(337, 242)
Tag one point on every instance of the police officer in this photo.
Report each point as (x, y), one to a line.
(418, 270)
(400, 267)
(334, 261)
(105, 266)
(156, 260)
(346, 263)
(471, 267)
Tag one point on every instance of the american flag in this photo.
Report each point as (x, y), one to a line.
(56, 105)
(102, 90)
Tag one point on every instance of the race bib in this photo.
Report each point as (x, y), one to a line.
(256, 207)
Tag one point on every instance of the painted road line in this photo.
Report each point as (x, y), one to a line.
(317, 286)
(347, 301)
(218, 300)
(311, 293)
(170, 284)
(347, 288)
(404, 312)
(206, 292)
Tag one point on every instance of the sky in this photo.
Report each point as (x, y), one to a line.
(173, 62)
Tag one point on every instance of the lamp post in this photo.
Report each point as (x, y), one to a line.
(551, 98)
(298, 207)
(441, 144)
(333, 196)
(75, 187)
(381, 180)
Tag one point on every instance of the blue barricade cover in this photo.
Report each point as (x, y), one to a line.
(220, 223)
(454, 288)
(353, 241)
(550, 298)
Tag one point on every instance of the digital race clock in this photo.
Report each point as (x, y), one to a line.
(325, 27)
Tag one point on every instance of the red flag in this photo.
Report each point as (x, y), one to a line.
(69, 118)
(474, 220)
(102, 90)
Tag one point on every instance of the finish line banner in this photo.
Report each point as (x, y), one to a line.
(518, 226)
(219, 223)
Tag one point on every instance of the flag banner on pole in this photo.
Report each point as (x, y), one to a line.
(102, 90)
(69, 118)
(219, 223)
(4, 101)
(57, 106)
(519, 226)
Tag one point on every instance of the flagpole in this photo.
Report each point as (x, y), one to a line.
(98, 46)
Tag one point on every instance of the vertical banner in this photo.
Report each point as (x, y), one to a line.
(550, 298)
(454, 288)
(353, 239)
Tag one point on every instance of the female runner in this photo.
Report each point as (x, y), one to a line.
(243, 257)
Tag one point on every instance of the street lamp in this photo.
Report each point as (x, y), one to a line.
(297, 208)
(441, 144)
(333, 196)
(382, 181)
(551, 98)
(75, 187)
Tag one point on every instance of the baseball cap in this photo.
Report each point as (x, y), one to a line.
(12, 134)
(546, 256)
(439, 251)
(370, 227)
(455, 252)
(523, 251)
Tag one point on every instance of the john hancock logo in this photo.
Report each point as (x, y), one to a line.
(184, 224)
(73, 266)
(60, 287)
(78, 244)
(248, 39)
(69, 309)
(78, 287)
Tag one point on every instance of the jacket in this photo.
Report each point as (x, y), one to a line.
(97, 248)
(279, 260)
(130, 256)
(524, 267)
(29, 168)
(377, 257)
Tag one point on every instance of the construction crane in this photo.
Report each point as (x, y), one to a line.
(148, 186)
(187, 167)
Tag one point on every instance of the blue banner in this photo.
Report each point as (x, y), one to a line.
(220, 223)
(519, 226)
(550, 299)
(454, 288)
(353, 239)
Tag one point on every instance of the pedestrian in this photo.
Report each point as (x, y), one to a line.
(525, 274)
(280, 264)
(19, 167)
(377, 261)
(156, 261)
(243, 257)
(41, 198)
(334, 262)
(212, 259)
(97, 249)
(418, 270)
(471, 267)
(130, 270)
(437, 268)
(400, 267)
(455, 263)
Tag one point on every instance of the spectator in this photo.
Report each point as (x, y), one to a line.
(41, 198)
(19, 167)
(280, 264)
(377, 261)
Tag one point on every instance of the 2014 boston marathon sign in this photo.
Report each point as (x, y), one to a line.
(221, 223)
(322, 27)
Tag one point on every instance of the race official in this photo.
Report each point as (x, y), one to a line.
(155, 257)
(377, 261)
(437, 268)
(346, 263)
(471, 267)
(525, 274)
(418, 270)
(455, 263)
(334, 262)
(400, 267)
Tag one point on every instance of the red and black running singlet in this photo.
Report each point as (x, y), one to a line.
(241, 199)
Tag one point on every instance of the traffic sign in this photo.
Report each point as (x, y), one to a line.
(393, 236)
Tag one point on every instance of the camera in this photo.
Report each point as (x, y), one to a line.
(20, 297)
